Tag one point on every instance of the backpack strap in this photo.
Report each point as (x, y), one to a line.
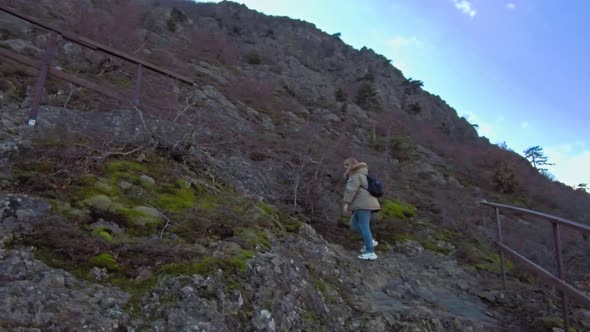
(367, 189)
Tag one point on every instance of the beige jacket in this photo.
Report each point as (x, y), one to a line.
(356, 194)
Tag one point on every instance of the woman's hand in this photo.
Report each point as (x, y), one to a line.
(345, 209)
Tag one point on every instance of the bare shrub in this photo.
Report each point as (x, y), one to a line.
(116, 25)
(253, 92)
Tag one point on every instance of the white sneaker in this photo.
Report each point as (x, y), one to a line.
(364, 248)
(368, 256)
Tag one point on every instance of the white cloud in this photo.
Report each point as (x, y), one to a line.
(511, 6)
(570, 168)
(524, 125)
(465, 7)
(400, 41)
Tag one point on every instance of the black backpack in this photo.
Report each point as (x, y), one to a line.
(375, 187)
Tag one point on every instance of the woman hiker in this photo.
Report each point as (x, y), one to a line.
(361, 203)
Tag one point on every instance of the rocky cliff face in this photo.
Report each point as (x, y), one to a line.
(216, 207)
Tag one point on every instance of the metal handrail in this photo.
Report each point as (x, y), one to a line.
(557, 281)
(88, 43)
(572, 224)
(98, 46)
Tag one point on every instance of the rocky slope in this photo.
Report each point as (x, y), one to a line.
(216, 207)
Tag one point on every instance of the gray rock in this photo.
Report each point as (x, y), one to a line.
(53, 280)
(410, 248)
(99, 273)
(144, 274)
(22, 207)
(443, 245)
(146, 181)
(187, 291)
(263, 321)
(21, 46)
(583, 316)
(23, 214)
(37, 294)
(124, 185)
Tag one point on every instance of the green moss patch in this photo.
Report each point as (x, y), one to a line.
(208, 264)
(402, 237)
(178, 196)
(65, 210)
(98, 202)
(324, 288)
(445, 235)
(395, 209)
(105, 260)
(103, 233)
(432, 246)
(255, 238)
(482, 258)
(125, 166)
(292, 226)
(139, 215)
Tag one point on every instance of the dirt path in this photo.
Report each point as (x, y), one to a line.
(429, 288)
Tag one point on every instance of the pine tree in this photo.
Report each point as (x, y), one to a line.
(536, 156)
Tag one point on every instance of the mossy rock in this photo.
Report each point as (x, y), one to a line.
(125, 185)
(98, 202)
(396, 209)
(103, 233)
(292, 226)
(147, 182)
(66, 210)
(105, 260)
(255, 238)
(103, 187)
(140, 215)
(260, 214)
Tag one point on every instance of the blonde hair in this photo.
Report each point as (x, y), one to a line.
(349, 163)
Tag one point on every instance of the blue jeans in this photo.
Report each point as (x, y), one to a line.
(360, 222)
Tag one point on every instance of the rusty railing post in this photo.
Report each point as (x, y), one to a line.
(40, 85)
(137, 93)
(561, 271)
(499, 224)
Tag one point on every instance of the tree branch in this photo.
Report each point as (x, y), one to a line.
(168, 222)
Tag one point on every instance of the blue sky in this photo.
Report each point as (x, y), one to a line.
(519, 68)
